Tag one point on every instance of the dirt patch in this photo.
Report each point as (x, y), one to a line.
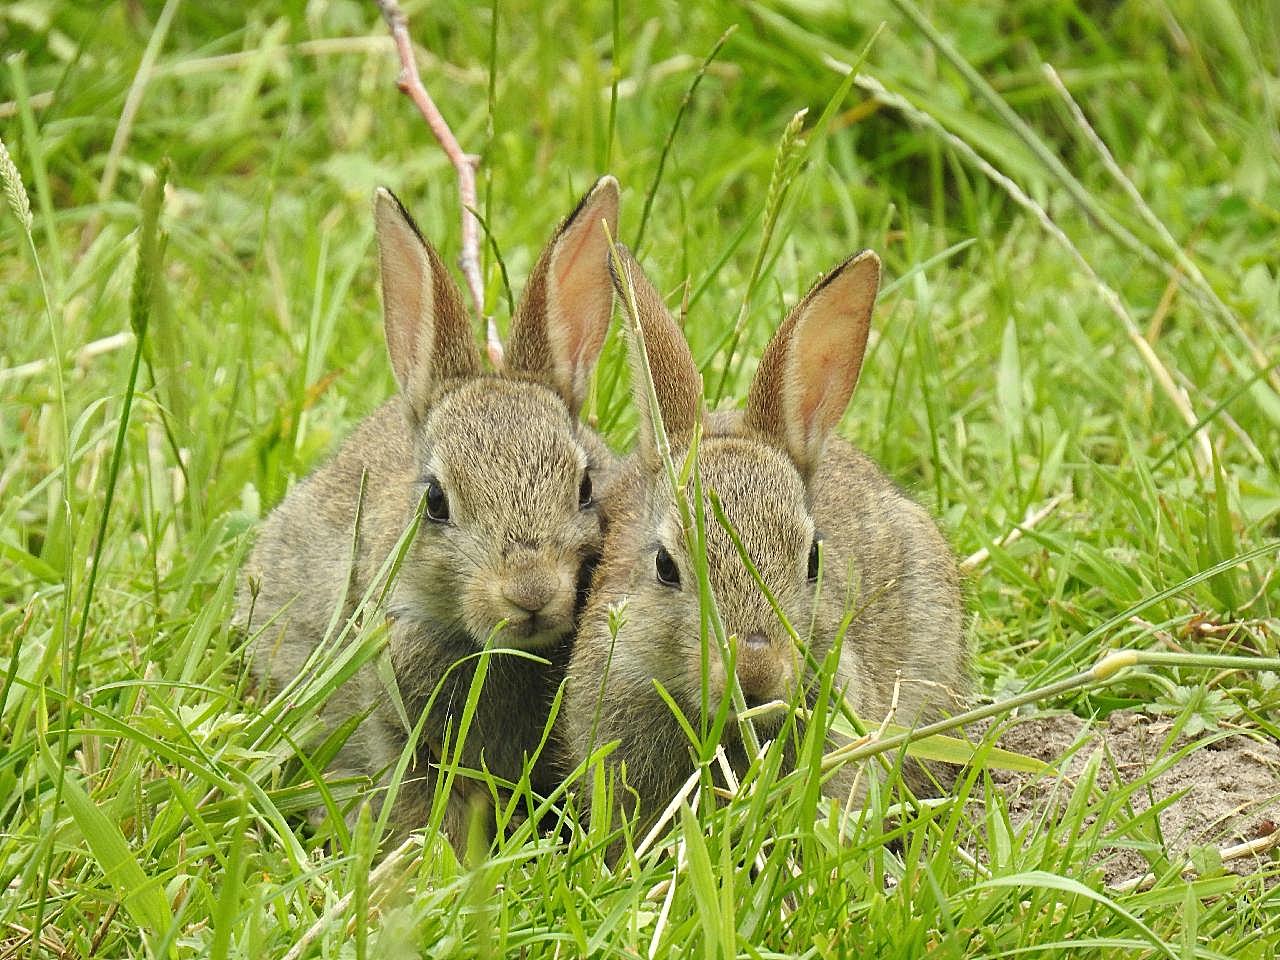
(1220, 793)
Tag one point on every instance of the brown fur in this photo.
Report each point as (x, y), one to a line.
(780, 480)
(510, 455)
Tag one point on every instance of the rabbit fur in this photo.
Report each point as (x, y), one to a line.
(503, 472)
(786, 484)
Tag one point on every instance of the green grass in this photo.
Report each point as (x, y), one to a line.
(150, 807)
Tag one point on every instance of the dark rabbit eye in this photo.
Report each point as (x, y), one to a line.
(584, 492)
(437, 502)
(813, 560)
(668, 572)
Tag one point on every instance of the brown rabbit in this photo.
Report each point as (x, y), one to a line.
(506, 479)
(804, 504)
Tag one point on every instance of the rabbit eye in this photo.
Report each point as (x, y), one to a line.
(668, 572)
(437, 501)
(813, 560)
(584, 492)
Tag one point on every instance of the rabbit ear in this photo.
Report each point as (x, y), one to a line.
(676, 380)
(561, 322)
(811, 365)
(428, 332)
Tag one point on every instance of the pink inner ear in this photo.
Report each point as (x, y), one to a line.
(577, 298)
(580, 293)
(568, 256)
(830, 340)
(826, 369)
(816, 378)
(401, 339)
(406, 291)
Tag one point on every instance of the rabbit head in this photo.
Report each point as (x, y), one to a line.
(762, 466)
(505, 473)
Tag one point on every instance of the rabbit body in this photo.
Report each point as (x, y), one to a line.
(499, 473)
(788, 491)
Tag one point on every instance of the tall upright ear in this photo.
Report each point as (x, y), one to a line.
(811, 365)
(428, 332)
(561, 322)
(676, 381)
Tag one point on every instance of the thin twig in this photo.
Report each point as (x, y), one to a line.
(1033, 517)
(849, 812)
(101, 934)
(970, 861)
(1262, 589)
(410, 84)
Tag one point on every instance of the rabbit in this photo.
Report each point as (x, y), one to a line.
(508, 483)
(804, 503)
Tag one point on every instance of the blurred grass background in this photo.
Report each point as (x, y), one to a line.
(1006, 370)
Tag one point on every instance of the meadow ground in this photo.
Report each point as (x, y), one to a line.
(1081, 311)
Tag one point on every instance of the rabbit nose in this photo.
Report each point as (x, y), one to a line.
(761, 673)
(530, 591)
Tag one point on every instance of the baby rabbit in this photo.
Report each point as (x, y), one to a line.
(506, 479)
(805, 505)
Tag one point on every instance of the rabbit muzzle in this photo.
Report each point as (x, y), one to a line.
(532, 591)
(762, 674)
(766, 671)
(535, 596)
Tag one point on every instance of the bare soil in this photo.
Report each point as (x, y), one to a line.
(1224, 792)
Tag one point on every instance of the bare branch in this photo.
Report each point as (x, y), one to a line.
(411, 85)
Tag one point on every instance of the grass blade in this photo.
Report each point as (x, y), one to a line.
(141, 895)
